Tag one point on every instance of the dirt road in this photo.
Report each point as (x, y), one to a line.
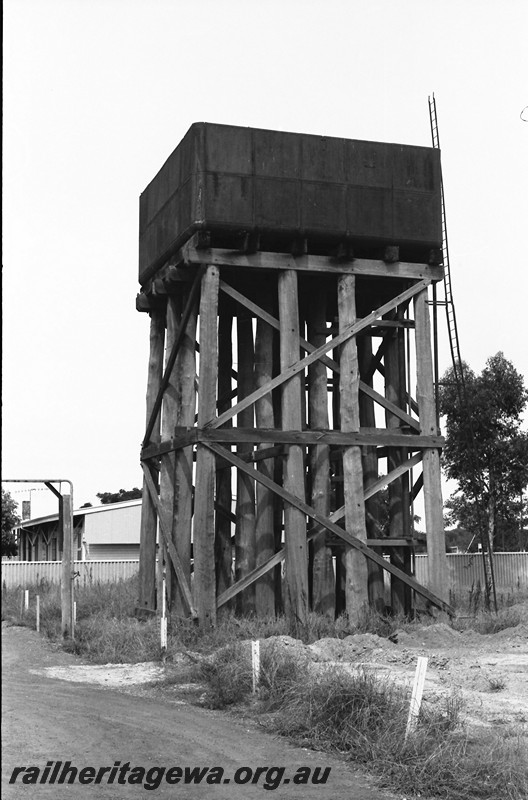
(50, 720)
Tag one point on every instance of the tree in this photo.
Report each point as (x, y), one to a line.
(486, 451)
(10, 519)
(120, 496)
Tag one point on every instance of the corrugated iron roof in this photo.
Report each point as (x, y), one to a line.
(79, 512)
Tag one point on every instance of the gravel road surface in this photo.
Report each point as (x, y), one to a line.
(52, 720)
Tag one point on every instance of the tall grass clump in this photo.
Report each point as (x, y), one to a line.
(227, 675)
(103, 639)
(229, 630)
(14, 613)
(363, 717)
(359, 716)
(105, 631)
(113, 599)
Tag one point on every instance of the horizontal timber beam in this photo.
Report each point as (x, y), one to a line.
(390, 542)
(327, 523)
(368, 437)
(220, 257)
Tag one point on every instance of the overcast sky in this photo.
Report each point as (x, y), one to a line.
(99, 92)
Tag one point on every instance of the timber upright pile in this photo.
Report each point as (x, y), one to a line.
(290, 377)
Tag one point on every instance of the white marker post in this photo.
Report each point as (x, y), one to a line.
(37, 625)
(26, 600)
(255, 664)
(163, 622)
(416, 695)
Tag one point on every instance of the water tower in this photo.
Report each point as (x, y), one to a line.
(291, 417)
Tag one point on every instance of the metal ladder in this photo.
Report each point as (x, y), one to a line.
(452, 329)
(458, 371)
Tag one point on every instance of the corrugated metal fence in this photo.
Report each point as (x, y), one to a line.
(465, 571)
(26, 573)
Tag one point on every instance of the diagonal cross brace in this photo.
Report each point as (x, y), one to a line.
(337, 515)
(156, 408)
(327, 523)
(347, 333)
(174, 557)
(328, 362)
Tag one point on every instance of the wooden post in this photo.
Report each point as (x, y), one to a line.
(223, 547)
(416, 695)
(356, 564)
(163, 619)
(323, 582)
(183, 480)
(294, 519)
(395, 390)
(245, 505)
(338, 497)
(169, 418)
(147, 540)
(402, 556)
(204, 520)
(367, 418)
(67, 568)
(255, 664)
(265, 418)
(278, 508)
(436, 554)
(295, 544)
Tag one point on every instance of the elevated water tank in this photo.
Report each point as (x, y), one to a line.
(229, 179)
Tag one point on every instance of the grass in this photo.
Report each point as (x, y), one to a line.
(488, 622)
(363, 719)
(496, 684)
(474, 600)
(107, 631)
(354, 713)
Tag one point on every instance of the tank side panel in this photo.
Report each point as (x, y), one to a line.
(226, 178)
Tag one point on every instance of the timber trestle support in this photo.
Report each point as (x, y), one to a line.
(290, 401)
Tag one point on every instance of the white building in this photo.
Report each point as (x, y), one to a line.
(108, 531)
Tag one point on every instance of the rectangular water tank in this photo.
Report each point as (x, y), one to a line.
(225, 178)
